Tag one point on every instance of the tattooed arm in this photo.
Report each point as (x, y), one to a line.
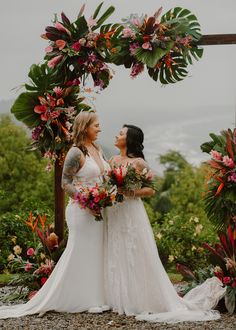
(73, 161)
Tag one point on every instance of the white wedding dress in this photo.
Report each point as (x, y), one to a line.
(135, 280)
(77, 281)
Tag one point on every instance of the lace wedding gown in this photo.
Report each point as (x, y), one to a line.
(77, 281)
(135, 279)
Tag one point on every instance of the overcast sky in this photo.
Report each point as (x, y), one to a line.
(178, 116)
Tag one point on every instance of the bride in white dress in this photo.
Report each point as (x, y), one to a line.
(77, 281)
(136, 282)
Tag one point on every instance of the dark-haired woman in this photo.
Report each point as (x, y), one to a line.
(135, 279)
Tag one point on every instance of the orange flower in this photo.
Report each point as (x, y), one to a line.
(42, 221)
(31, 222)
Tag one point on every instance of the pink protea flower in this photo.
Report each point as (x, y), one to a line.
(136, 70)
(147, 45)
(58, 91)
(54, 61)
(49, 49)
(30, 252)
(128, 33)
(28, 267)
(228, 161)
(216, 155)
(76, 46)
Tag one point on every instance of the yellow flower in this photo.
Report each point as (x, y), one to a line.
(13, 239)
(194, 248)
(171, 258)
(42, 255)
(10, 257)
(17, 249)
(159, 236)
(198, 229)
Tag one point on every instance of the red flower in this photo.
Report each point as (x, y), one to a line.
(234, 284)
(226, 280)
(43, 280)
(76, 46)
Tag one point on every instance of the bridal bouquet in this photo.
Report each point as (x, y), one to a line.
(127, 177)
(96, 198)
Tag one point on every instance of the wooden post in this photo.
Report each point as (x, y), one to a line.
(217, 39)
(59, 200)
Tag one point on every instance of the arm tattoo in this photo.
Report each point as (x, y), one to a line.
(70, 168)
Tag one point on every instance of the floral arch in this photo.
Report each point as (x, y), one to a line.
(81, 50)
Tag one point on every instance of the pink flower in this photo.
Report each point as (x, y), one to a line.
(226, 280)
(60, 44)
(30, 252)
(58, 91)
(228, 161)
(136, 69)
(28, 266)
(147, 45)
(216, 155)
(54, 61)
(61, 28)
(92, 57)
(49, 49)
(133, 47)
(232, 177)
(128, 33)
(92, 22)
(76, 46)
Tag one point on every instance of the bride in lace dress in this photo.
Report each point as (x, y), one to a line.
(76, 283)
(135, 279)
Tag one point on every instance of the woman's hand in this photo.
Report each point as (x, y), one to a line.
(92, 212)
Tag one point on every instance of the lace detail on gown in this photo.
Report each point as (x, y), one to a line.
(136, 282)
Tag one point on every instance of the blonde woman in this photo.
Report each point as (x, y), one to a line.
(76, 283)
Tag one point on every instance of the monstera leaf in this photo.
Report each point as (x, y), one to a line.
(42, 78)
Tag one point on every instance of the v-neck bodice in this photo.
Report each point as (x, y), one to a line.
(90, 172)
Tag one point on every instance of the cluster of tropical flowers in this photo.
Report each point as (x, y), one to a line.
(163, 44)
(77, 49)
(223, 258)
(34, 266)
(55, 111)
(129, 177)
(221, 184)
(96, 198)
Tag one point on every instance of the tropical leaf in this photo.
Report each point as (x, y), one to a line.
(104, 17)
(97, 10)
(23, 109)
(230, 297)
(82, 27)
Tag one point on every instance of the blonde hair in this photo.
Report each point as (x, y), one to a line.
(82, 121)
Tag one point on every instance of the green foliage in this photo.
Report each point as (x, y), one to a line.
(23, 179)
(178, 218)
(220, 197)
